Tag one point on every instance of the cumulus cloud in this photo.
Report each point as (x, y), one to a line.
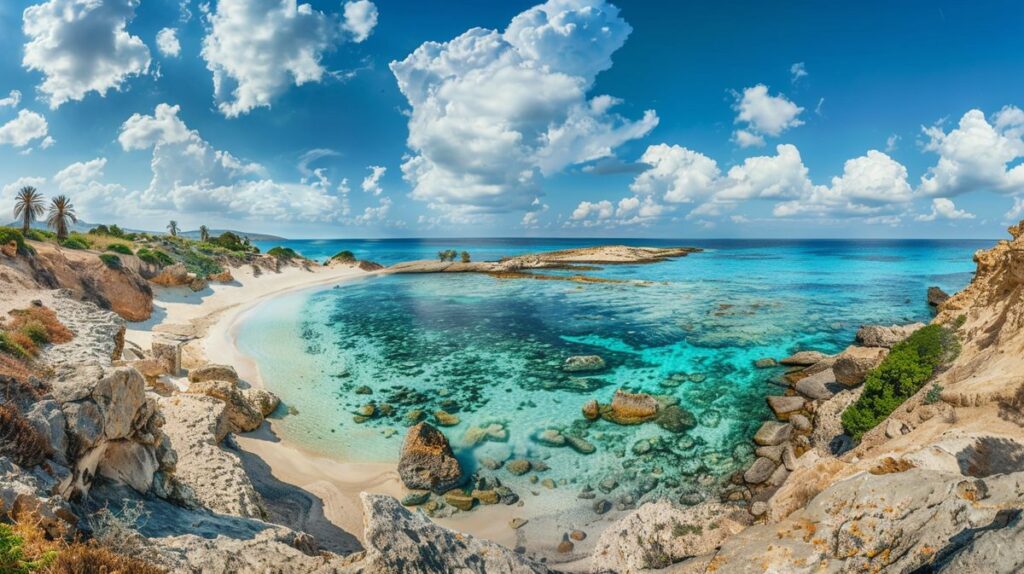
(1016, 212)
(81, 180)
(976, 155)
(494, 112)
(189, 176)
(25, 129)
(763, 115)
(12, 100)
(167, 42)
(943, 208)
(360, 19)
(601, 210)
(82, 46)
(869, 185)
(256, 49)
(371, 183)
(531, 219)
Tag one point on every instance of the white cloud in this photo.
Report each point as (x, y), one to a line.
(12, 100)
(943, 208)
(531, 218)
(797, 71)
(360, 19)
(870, 184)
(81, 181)
(764, 115)
(1017, 211)
(492, 112)
(190, 176)
(25, 129)
(677, 175)
(976, 154)
(375, 214)
(82, 46)
(256, 49)
(601, 210)
(891, 143)
(371, 183)
(167, 42)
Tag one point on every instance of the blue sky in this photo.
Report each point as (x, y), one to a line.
(574, 117)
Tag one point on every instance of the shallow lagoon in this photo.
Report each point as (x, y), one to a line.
(490, 351)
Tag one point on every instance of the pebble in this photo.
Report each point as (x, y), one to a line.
(517, 523)
(577, 535)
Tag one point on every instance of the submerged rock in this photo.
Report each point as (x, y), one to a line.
(581, 363)
(765, 363)
(630, 408)
(427, 461)
(518, 467)
(676, 419)
(803, 359)
(591, 410)
(580, 444)
(445, 419)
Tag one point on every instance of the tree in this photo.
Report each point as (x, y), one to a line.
(28, 205)
(204, 233)
(172, 227)
(62, 214)
(465, 256)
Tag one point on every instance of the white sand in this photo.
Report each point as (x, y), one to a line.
(211, 320)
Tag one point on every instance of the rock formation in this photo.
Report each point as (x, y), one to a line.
(427, 461)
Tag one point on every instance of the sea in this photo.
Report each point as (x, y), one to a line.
(491, 351)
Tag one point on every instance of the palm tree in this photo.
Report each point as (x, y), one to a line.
(28, 205)
(204, 233)
(62, 214)
(173, 228)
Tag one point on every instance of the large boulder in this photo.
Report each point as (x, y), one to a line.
(400, 542)
(174, 275)
(213, 372)
(937, 296)
(631, 408)
(773, 433)
(659, 534)
(853, 364)
(244, 408)
(427, 461)
(882, 336)
(818, 386)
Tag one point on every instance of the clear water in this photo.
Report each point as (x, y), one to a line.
(491, 350)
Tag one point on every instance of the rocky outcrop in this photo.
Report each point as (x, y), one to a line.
(427, 461)
(213, 372)
(400, 542)
(887, 337)
(245, 409)
(853, 364)
(659, 534)
(175, 275)
(207, 476)
(579, 363)
(936, 296)
(897, 522)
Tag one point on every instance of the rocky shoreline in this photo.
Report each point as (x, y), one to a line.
(900, 499)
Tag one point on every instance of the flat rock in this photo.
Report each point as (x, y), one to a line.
(760, 471)
(783, 407)
(631, 408)
(816, 386)
(803, 359)
(882, 336)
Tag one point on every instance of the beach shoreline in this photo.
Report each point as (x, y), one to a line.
(211, 323)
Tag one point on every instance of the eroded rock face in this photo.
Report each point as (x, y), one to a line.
(211, 476)
(887, 337)
(427, 461)
(244, 408)
(659, 534)
(896, 522)
(400, 542)
(853, 364)
(174, 275)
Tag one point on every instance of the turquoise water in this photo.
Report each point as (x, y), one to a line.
(491, 350)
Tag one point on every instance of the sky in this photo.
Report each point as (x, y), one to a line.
(631, 118)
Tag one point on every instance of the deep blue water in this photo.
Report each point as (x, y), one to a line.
(490, 350)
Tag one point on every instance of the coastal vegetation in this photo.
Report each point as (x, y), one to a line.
(447, 255)
(904, 371)
(344, 256)
(286, 253)
(25, 549)
(28, 206)
(465, 257)
(61, 216)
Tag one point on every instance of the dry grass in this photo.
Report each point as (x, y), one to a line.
(21, 338)
(63, 557)
(39, 321)
(19, 440)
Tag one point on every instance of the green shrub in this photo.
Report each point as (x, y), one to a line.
(283, 252)
(907, 368)
(231, 242)
(40, 235)
(465, 256)
(75, 243)
(345, 256)
(154, 256)
(120, 248)
(36, 331)
(110, 260)
(9, 234)
(11, 347)
(196, 262)
(934, 394)
(13, 558)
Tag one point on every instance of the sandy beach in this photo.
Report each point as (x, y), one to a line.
(320, 493)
